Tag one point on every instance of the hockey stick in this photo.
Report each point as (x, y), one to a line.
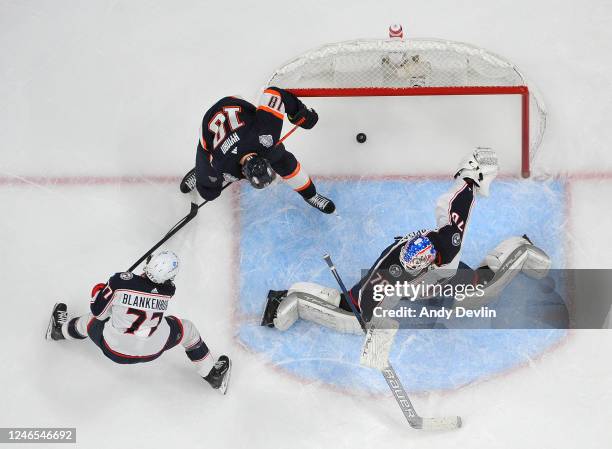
(174, 229)
(291, 131)
(195, 208)
(393, 381)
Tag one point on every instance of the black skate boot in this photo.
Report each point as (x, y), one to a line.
(275, 297)
(189, 181)
(59, 316)
(322, 203)
(219, 375)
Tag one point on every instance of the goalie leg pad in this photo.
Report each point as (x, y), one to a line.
(327, 294)
(312, 302)
(533, 262)
(315, 303)
(322, 312)
(286, 313)
(512, 256)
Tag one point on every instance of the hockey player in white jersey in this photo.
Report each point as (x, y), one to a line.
(429, 257)
(129, 325)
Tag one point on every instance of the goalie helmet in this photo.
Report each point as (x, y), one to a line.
(162, 267)
(417, 254)
(258, 172)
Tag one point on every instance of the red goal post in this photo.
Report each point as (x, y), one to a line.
(414, 67)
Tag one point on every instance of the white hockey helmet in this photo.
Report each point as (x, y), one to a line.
(162, 267)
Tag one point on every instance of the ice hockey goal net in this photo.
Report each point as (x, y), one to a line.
(414, 67)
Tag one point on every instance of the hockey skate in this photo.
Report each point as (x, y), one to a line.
(189, 181)
(481, 167)
(274, 299)
(59, 317)
(219, 375)
(322, 203)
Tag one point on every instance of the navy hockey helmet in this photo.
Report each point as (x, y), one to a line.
(258, 172)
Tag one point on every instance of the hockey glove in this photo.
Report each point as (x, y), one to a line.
(96, 288)
(310, 117)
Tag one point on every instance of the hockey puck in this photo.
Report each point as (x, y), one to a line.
(361, 137)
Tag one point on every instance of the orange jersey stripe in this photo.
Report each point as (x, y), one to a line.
(294, 172)
(277, 114)
(304, 187)
(272, 92)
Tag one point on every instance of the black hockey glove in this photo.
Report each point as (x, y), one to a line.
(310, 117)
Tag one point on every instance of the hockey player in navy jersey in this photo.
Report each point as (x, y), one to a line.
(428, 257)
(239, 140)
(128, 321)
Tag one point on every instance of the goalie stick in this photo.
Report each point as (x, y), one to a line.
(393, 381)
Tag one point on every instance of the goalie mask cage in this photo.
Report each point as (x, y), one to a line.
(414, 67)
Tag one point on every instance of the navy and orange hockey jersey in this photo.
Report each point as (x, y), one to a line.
(234, 128)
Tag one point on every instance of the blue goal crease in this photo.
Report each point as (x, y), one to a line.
(282, 241)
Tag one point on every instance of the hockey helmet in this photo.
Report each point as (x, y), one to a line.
(258, 172)
(417, 254)
(162, 267)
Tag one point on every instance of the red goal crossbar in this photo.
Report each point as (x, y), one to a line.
(523, 91)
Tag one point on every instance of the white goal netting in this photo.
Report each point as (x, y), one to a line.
(413, 67)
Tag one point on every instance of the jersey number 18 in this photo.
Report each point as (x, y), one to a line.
(217, 124)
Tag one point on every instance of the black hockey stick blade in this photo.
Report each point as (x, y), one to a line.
(193, 212)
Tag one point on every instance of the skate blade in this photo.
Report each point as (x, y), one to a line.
(226, 378)
(50, 326)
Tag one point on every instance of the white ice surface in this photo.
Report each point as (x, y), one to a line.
(111, 88)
